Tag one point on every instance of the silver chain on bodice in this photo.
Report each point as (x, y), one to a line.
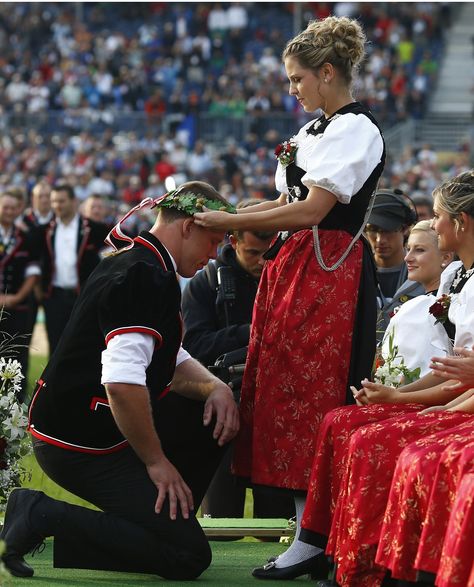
(338, 263)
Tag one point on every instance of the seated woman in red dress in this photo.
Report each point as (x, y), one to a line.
(457, 557)
(424, 485)
(373, 450)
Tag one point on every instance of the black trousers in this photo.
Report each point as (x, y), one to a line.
(128, 535)
(57, 309)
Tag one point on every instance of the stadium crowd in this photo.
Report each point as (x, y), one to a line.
(170, 59)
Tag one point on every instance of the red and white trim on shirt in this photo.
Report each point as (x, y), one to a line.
(140, 329)
(152, 247)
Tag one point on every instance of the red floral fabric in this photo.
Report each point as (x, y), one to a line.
(372, 456)
(299, 356)
(416, 489)
(330, 458)
(456, 461)
(456, 567)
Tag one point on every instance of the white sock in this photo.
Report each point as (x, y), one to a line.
(298, 551)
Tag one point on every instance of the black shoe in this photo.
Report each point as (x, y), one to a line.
(316, 566)
(19, 536)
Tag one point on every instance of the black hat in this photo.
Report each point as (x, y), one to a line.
(392, 210)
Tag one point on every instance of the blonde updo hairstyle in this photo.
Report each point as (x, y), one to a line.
(336, 40)
(455, 196)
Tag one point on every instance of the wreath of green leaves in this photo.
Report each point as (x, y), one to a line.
(190, 203)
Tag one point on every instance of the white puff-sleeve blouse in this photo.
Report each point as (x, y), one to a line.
(339, 160)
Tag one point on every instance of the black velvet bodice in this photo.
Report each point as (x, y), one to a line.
(350, 216)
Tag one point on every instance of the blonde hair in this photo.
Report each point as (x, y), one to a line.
(336, 40)
(425, 226)
(456, 195)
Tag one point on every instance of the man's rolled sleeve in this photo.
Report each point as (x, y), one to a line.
(126, 358)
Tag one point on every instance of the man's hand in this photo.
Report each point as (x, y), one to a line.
(170, 483)
(379, 394)
(221, 404)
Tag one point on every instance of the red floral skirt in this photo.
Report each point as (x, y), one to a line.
(331, 456)
(456, 461)
(299, 356)
(421, 497)
(456, 567)
(372, 456)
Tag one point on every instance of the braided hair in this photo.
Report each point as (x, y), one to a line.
(336, 40)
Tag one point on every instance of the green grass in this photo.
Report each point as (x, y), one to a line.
(231, 567)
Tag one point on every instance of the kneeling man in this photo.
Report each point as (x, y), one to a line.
(124, 418)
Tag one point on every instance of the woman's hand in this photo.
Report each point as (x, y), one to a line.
(359, 396)
(214, 220)
(432, 409)
(459, 367)
(377, 393)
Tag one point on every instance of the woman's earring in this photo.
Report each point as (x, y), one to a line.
(325, 80)
(443, 265)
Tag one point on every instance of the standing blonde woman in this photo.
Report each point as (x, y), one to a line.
(313, 328)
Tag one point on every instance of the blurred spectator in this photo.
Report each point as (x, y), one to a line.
(95, 207)
(40, 212)
(424, 207)
(19, 271)
(199, 162)
(164, 168)
(69, 255)
(102, 184)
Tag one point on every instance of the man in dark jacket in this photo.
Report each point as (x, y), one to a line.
(217, 311)
(70, 253)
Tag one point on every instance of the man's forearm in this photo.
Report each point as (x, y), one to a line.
(194, 381)
(26, 288)
(130, 405)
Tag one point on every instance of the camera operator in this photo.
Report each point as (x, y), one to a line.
(217, 312)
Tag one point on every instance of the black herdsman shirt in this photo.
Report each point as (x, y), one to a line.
(132, 291)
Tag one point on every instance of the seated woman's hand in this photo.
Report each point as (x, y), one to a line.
(459, 367)
(359, 396)
(432, 409)
(377, 393)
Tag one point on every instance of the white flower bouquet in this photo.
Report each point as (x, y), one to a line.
(391, 369)
(13, 427)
